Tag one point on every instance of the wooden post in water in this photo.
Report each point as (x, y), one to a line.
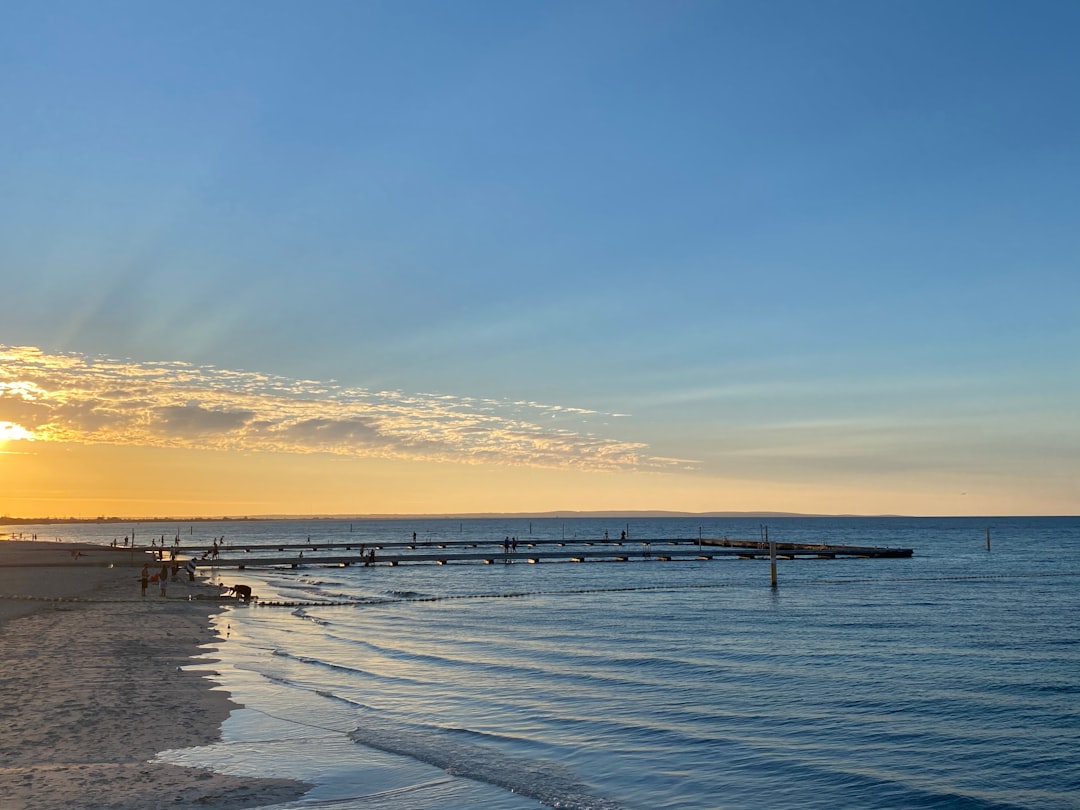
(772, 556)
(988, 538)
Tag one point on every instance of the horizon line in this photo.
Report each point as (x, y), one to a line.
(549, 514)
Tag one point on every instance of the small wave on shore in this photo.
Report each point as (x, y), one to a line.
(551, 783)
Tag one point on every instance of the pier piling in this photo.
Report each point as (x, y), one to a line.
(772, 555)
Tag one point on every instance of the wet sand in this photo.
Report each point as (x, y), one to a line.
(91, 686)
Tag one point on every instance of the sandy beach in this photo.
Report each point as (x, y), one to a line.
(92, 686)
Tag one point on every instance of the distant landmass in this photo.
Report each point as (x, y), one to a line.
(607, 513)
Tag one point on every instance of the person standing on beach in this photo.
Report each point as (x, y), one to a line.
(163, 580)
(144, 578)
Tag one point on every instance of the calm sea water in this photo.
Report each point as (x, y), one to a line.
(950, 679)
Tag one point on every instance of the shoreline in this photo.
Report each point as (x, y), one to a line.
(96, 684)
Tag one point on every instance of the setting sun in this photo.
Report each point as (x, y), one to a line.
(9, 431)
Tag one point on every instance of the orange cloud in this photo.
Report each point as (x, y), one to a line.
(92, 400)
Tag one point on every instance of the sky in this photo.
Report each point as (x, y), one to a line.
(423, 257)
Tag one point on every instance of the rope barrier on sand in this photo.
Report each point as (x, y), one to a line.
(125, 601)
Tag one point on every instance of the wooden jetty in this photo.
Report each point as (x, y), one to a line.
(342, 554)
(755, 549)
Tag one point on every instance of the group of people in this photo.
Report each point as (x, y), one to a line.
(168, 571)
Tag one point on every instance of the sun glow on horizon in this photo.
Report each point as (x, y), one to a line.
(152, 438)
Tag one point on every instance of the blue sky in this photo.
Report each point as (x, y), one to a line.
(813, 253)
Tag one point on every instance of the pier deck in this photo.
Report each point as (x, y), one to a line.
(340, 554)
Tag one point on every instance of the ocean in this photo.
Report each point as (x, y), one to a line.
(950, 679)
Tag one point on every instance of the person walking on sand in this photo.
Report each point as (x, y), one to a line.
(163, 580)
(144, 578)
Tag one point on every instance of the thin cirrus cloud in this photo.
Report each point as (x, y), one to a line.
(66, 397)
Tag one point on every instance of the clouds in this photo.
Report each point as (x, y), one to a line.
(192, 420)
(92, 400)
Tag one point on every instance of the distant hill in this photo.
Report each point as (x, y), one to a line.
(607, 513)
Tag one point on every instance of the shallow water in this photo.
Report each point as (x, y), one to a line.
(950, 679)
